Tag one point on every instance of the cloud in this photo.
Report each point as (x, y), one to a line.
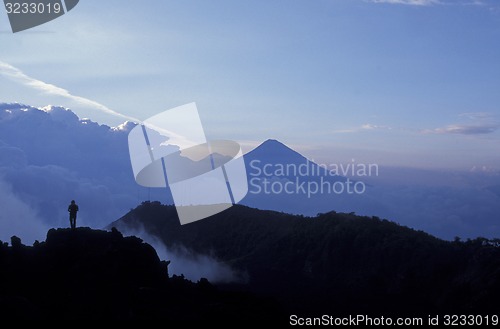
(475, 123)
(369, 126)
(485, 169)
(477, 115)
(18, 218)
(445, 211)
(434, 2)
(51, 150)
(16, 74)
(442, 203)
(410, 2)
(363, 127)
(49, 156)
(466, 129)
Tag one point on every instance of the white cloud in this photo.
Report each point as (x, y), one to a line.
(491, 5)
(409, 2)
(433, 2)
(462, 129)
(369, 126)
(345, 131)
(363, 127)
(477, 123)
(16, 74)
(477, 115)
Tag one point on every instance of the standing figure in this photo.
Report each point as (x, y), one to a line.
(72, 209)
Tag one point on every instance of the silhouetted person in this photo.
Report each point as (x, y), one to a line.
(73, 209)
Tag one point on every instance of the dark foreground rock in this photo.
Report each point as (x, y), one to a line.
(91, 274)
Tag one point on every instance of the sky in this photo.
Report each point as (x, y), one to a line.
(410, 83)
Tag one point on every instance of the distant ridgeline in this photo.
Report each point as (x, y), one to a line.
(336, 262)
(91, 274)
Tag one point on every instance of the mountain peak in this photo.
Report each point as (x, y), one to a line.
(271, 140)
(274, 147)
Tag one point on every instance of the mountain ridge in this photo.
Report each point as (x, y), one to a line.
(336, 260)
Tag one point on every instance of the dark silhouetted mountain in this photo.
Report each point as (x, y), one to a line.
(274, 151)
(338, 262)
(273, 159)
(282, 179)
(86, 274)
(272, 165)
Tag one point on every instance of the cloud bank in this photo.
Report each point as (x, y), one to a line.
(49, 156)
(17, 75)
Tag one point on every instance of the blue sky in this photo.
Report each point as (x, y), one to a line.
(397, 82)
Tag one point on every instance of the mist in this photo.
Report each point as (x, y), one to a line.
(18, 218)
(185, 262)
